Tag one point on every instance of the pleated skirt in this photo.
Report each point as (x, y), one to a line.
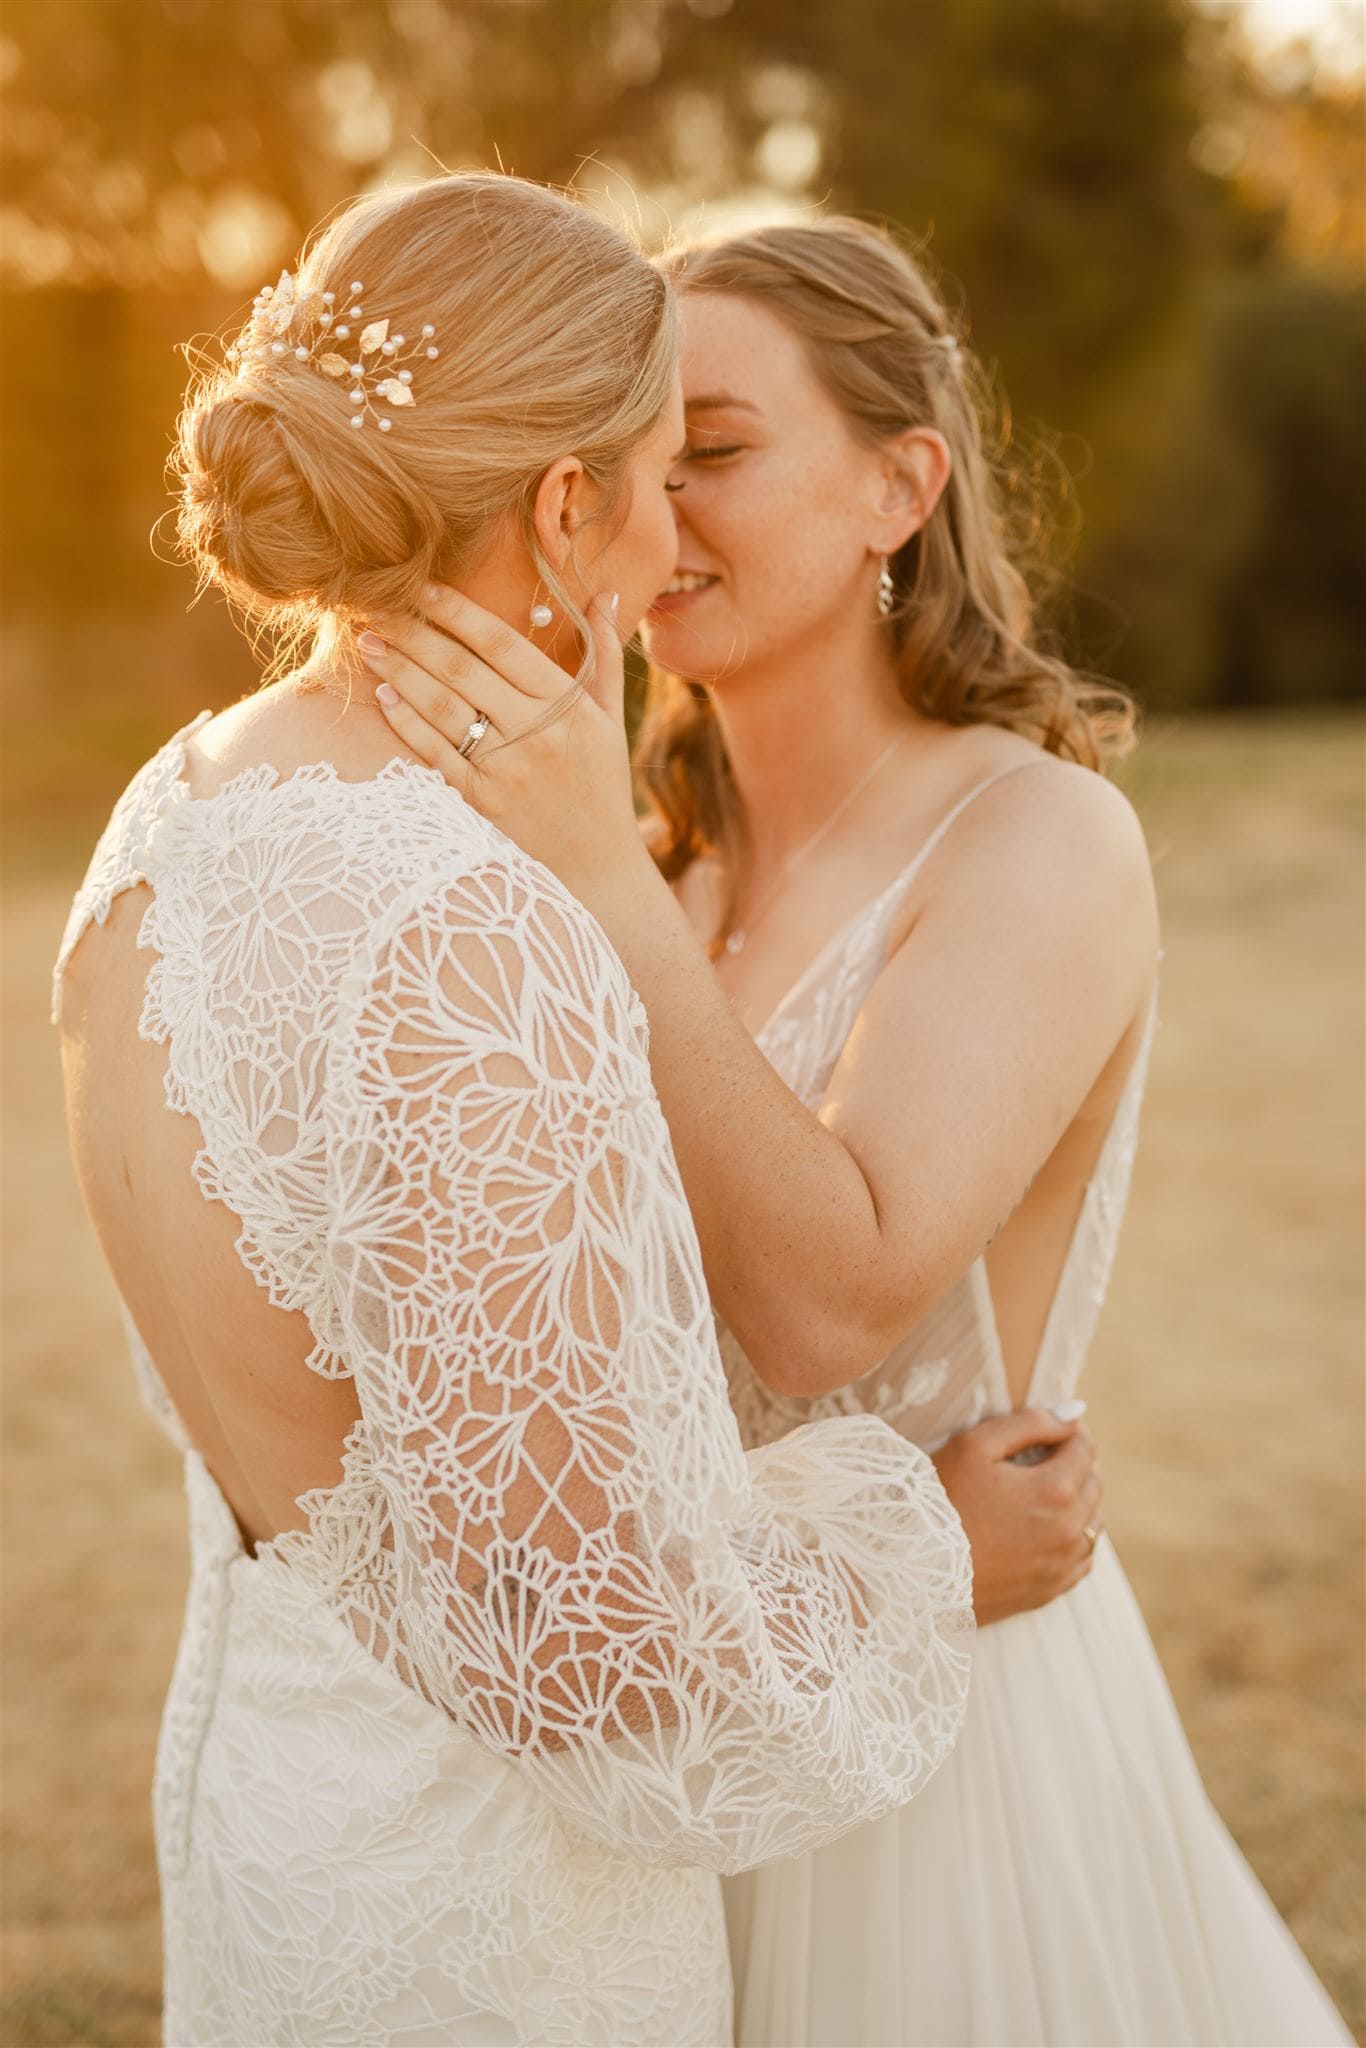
(1063, 1882)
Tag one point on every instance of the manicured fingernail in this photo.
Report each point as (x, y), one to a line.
(616, 600)
(432, 592)
(386, 693)
(1068, 1411)
(370, 643)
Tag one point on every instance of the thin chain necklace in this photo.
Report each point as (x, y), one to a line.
(735, 940)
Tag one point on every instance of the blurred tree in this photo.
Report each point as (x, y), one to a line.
(1126, 203)
(1047, 146)
(1235, 575)
(1289, 357)
(147, 140)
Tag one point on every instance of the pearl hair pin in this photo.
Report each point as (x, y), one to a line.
(280, 310)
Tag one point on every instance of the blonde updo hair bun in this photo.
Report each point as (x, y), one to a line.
(557, 337)
(282, 508)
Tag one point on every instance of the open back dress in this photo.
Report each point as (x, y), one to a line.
(459, 1761)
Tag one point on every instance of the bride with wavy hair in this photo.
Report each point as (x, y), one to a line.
(498, 1645)
(899, 952)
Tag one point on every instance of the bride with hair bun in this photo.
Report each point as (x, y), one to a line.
(498, 1646)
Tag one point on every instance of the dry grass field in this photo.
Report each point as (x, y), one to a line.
(1226, 1388)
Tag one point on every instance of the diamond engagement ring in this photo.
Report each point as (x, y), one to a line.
(473, 734)
(1092, 1534)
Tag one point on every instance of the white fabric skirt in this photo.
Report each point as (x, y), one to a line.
(1062, 1882)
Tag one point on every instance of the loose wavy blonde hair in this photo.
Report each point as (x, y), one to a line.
(556, 336)
(879, 338)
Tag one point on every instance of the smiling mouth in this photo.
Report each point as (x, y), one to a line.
(686, 580)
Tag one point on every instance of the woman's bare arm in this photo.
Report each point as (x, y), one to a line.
(1031, 955)
(826, 1238)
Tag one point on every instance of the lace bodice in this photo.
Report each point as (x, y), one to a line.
(948, 1372)
(421, 1079)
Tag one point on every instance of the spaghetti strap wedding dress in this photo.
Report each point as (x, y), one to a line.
(1064, 1882)
(459, 1762)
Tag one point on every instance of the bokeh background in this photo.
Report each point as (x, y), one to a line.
(1152, 211)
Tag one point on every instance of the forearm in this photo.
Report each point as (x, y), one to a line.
(794, 1254)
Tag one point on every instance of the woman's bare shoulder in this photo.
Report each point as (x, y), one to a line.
(1056, 839)
(1053, 810)
(286, 728)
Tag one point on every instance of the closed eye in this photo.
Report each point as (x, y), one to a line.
(705, 455)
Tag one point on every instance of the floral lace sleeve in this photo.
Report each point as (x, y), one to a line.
(702, 1656)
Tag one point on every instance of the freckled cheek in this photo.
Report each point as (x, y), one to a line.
(767, 542)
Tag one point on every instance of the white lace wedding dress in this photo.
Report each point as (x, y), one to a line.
(1064, 1880)
(459, 1763)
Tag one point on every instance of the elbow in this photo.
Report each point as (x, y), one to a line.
(797, 1376)
(804, 1356)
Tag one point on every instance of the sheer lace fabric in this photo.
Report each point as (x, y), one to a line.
(453, 1763)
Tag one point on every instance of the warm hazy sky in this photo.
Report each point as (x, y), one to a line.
(1337, 28)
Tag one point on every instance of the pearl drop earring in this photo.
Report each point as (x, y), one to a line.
(541, 615)
(886, 590)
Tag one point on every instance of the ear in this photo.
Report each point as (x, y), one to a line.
(559, 507)
(913, 471)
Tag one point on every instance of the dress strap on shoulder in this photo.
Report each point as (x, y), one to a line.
(957, 810)
(986, 783)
